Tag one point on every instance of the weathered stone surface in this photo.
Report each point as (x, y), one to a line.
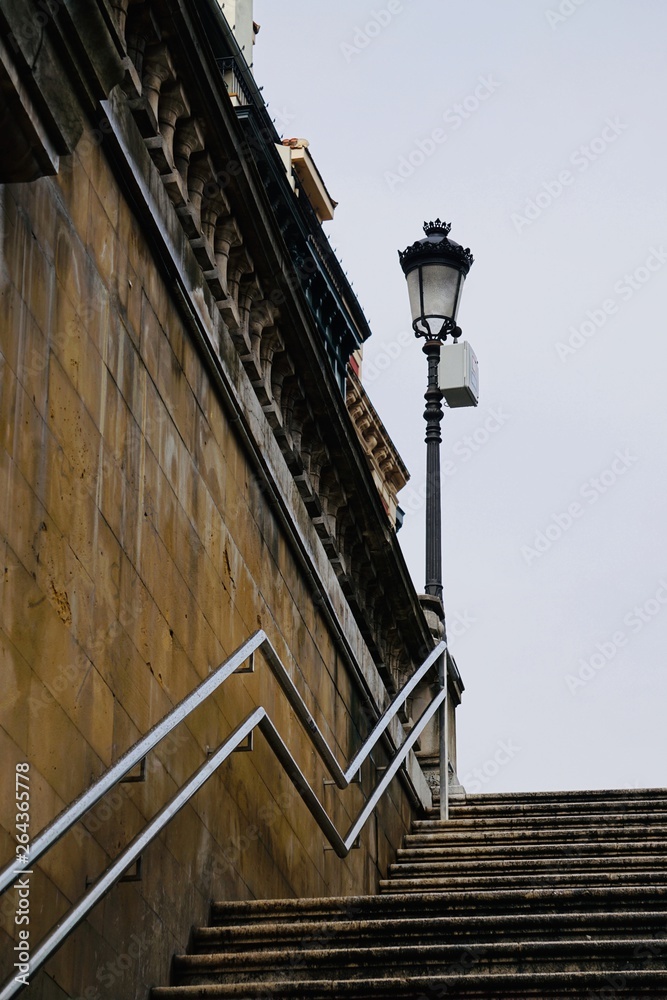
(479, 906)
(152, 516)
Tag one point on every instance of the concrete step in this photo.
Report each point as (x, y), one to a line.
(591, 798)
(468, 808)
(594, 849)
(482, 833)
(491, 958)
(630, 983)
(518, 897)
(443, 865)
(545, 821)
(556, 879)
(445, 929)
(653, 799)
(398, 906)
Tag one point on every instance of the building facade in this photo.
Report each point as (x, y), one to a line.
(180, 468)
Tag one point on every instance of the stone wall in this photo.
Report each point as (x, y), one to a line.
(150, 523)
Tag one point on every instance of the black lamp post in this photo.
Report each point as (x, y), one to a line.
(435, 268)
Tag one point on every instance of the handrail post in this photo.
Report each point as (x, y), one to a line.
(435, 748)
(444, 740)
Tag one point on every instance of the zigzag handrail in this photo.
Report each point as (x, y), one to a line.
(81, 805)
(258, 718)
(65, 820)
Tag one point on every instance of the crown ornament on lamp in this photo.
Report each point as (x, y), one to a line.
(435, 268)
(437, 227)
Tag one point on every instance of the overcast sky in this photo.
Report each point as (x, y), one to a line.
(537, 129)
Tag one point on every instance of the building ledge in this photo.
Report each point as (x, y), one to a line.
(310, 179)
(387, 467)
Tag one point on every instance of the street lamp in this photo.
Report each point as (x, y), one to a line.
(435, 268)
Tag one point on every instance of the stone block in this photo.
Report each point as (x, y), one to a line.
(72, 425)
(76, 965)
(151, 335)
(15, 312)
(9, 389)
(74, 185)
(38, 285)
(130, 295)
(47, 748)
(25, 436)
(102, 242)
(33, 363)
(173, 385)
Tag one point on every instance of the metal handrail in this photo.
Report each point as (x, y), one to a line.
(65, 820)
(343, 778)
(73, 813)
(259, 718)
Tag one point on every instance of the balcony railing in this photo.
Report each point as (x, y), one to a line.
(236, 86)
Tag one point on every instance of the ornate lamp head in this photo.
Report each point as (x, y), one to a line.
(435, 268)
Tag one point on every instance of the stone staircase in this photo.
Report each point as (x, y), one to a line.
(518, 896)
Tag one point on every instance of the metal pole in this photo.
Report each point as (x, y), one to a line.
(444, 744)
(433, 416)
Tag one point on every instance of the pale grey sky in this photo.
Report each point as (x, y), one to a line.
(537, 129)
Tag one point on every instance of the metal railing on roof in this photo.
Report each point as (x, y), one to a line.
(236, 86)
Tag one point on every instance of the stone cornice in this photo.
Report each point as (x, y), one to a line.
(387, 465)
